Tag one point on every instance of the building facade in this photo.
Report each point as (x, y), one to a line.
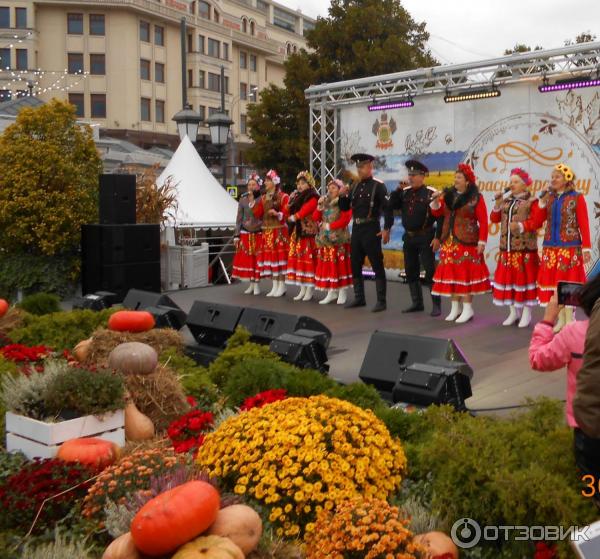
(119, 61)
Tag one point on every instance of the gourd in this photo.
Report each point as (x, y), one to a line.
(82, 350)
(122, 548)
(210, 547)
(90, 451)
(241, 524)
(138, 427)
(3, 307)
(437, 544)
(131, 321)
(133, 358)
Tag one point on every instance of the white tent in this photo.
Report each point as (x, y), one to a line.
(202, 200)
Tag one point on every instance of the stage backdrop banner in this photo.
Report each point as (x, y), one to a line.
(521, 128)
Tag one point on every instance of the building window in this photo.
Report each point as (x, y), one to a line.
(159, 72)
(201, 44)
(226, 79)
(159, 35)
(252, 28)
(97, 64)
(252, 93)
(262, 5)
(202, 111)
(213, 110)
(214, 48)
(98, 102)
(225, 51)
(243, 60)
(214, 82)
(145, 69)
(21, 59)
(216, 16)
(307, 26)
(243, 124)
(77, 100)
(160, 111)
(202, 79)
(5, 17)
(144, 31)
(4, 58)
(190, 43)
(96, 24)
(288, 48)
(284, 19)
(204, 9)
(21, 18)
(190, 78)
(75, 62)
(75, 24)
(244, 25)
(253, 62)
(243, 91)
(145, 114)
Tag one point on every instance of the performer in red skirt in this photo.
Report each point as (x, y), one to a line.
(303, 250)
(567, 246)
(248, 238)
(334, 269)
(462, 271)
(515, 280)
(271, 207)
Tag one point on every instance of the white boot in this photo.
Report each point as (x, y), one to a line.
(560, 322)
(249, 289)
(332, 295)
(309, 293)
(273, 289)
(454, 311)
(280, 290)
(256, 288)
(513, 316)
(300, 294)
(466, 315)
(342, 296)
(525, 317)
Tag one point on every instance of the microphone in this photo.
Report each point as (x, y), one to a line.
(503, 194)
(543, 193)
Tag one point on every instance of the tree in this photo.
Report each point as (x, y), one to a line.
(583, 37)
(358, 38)
(521, 47)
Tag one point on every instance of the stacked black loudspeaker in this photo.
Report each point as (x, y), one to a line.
(117, 254)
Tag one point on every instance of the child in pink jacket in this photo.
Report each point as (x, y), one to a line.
(550, 352)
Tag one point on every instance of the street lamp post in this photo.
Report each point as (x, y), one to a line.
(188, 121)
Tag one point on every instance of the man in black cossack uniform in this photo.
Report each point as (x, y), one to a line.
(368, 200)
(422, 233)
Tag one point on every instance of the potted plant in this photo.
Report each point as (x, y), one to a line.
(61, 402)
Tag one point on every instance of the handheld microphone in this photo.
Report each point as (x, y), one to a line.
(543, 193)
(503, 194)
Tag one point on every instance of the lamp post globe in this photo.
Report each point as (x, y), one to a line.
(187, 121)
(219, 124)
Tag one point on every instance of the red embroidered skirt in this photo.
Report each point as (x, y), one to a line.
(559, 264)
(245, 261)
(461, 271)
(302, 260)
(334, 269)
(515, 279)
(272, 257)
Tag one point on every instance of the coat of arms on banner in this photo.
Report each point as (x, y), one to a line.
(384, 130)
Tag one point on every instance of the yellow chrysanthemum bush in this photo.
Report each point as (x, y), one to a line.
(300, 456)
(368, 528)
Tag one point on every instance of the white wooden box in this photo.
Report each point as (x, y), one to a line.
(184, 267)
(36, 438)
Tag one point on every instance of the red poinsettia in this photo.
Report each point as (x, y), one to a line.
(544, 551)
(263, 398)
(187, 433)
(22, 354)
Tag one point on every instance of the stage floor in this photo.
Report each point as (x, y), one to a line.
(498, 355)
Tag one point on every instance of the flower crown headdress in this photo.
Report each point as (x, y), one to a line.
(338, 182)
(307, 176)
(272, 174)
(566, 171)
(467, 171)
(523, 174)
(254, 176)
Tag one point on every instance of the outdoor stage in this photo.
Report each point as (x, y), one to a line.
(498, 354)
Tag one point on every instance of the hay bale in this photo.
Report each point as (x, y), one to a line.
(13, 319)
(104, 341)
(158, 395)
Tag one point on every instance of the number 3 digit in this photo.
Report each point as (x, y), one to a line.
(591, 485)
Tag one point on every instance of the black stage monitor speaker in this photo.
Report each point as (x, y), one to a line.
(96, 301)
(389, 353)
(117, 199)
(137, 299)
(167, 317)
(265, 326)
(306, 353)
(212, 324)
(120, 244)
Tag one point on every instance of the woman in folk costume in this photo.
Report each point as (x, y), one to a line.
(248, 238)
(334, 269)
(515, 279)
(271, 207)
(567, 246)
(303, 250)
(462, 271)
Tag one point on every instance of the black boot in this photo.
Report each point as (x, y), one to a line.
(359, 295)
(380, 288)
(416, 294)
(436, 305)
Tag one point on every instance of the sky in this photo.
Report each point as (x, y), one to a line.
(468, 30)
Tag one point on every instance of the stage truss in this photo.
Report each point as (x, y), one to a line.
(326, 99)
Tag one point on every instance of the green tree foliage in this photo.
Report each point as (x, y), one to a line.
(358, 38)
(521, 47)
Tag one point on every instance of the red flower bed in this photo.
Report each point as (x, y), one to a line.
(263, 398)
(187, 433)
(22, 354)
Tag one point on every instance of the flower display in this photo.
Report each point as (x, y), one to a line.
(263, 398)
(22, 354)
(187, 433)
(300, 456)
(367, 528)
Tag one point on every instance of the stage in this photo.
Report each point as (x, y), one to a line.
(497, 354)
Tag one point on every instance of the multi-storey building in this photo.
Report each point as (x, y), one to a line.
(119, 61)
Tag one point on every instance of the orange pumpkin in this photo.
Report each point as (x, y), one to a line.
(437, 544)
(241, 524)
(175, 517)
(131, 321)
(91, 451)
(3, 307)
(122, 548)
(210, 547)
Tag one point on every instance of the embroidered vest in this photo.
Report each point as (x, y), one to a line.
(517, 210)
(562, 227)
(331, 213)
(462, 223)
(273, 201)
(308, 226)
(247, 221)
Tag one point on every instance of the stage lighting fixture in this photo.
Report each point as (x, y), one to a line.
(472, 95)
(399, 104)
(568, 84)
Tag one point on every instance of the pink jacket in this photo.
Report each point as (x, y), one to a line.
(550, 352)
